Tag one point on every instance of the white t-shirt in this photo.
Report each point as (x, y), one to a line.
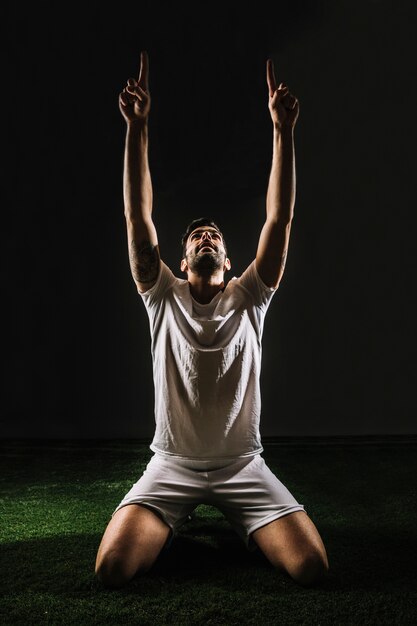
(206, 366)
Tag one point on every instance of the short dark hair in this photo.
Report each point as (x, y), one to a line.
(200, 221)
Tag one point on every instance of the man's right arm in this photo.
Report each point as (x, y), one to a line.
(144, 257)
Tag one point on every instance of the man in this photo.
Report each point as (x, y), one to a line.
(206, 350)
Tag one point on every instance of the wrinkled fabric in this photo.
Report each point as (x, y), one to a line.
(206, 366)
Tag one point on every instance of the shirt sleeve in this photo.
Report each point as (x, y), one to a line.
(153, 297)
(252, 282)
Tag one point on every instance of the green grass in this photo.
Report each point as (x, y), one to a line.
(57, 497)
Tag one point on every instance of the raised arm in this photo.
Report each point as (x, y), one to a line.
(280, 199)
(135, 103)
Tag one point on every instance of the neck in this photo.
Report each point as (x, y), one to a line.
(204, 288)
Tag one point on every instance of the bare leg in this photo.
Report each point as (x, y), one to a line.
(131, 543)
(293, 543)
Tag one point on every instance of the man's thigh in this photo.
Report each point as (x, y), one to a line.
(293, 543)
(250, 496)
(168, 489)
(132, 541)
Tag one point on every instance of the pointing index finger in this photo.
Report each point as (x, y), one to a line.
(270, 77)
(144, 70)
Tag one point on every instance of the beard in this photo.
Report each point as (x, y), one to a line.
(206, 263)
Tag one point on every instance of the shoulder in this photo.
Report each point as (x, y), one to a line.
(251, 282)
(165, 280)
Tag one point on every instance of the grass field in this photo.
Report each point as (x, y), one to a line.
(57, 497)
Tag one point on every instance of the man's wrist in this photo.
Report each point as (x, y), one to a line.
(283, 130)
(137, 130)
(138, 124)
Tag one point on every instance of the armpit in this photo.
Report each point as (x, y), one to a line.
(144, 261)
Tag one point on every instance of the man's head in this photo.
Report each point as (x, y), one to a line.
(203, 248)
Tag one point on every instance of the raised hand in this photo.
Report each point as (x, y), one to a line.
(135, 100)
(283, 106)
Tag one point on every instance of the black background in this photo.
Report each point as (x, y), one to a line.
(339, 340)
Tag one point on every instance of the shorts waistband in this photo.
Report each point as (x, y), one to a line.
(201, 465)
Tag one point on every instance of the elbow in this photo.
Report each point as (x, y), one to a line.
(280, 223)
(280, 213)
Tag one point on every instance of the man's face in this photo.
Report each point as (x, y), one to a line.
(205, 252)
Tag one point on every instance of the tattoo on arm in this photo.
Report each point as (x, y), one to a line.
(144, 261)
(283, 260)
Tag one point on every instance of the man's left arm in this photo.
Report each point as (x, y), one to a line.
(280, 199)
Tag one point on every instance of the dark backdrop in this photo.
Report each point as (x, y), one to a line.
(339, 341)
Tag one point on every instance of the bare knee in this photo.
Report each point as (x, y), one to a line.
(114, 571)
(111, 571)
(131, 543)
(310, 568)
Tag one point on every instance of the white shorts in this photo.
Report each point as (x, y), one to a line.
(245, 490)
